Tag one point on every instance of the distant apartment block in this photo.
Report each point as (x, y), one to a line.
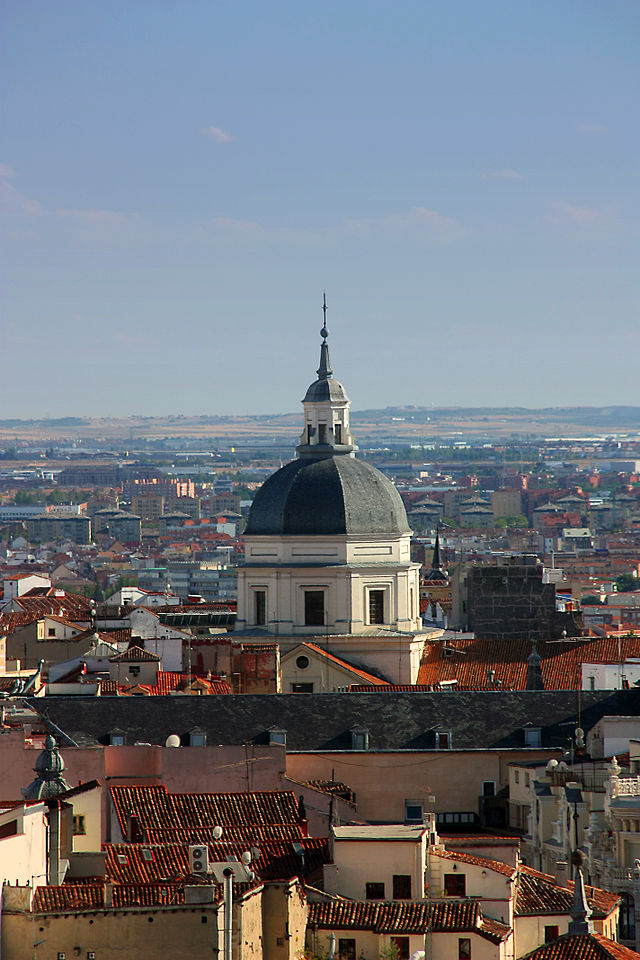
(48, 527)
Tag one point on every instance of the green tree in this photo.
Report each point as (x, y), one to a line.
(626, 583)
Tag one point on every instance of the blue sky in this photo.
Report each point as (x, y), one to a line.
(182, 180)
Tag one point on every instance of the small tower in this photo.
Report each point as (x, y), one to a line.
(326, 410)
(49, 781)
(580, 911)
(534, 669)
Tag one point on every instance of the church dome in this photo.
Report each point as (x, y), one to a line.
(325, 389)
(327, 496)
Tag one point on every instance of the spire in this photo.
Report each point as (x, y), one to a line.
(324, 370)
(580, 911)
(534, 679)
(435, 563)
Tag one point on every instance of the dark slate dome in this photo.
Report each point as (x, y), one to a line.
(332, 495)
(325, 389)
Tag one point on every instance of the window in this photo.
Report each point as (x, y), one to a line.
(455, 885)
(592, 683)
(116, 739)
(134, 671)
(359, 738)
(51, 632)
(302, 662)
(551, 933)
(402, 946)
(278, 736)
(488, 788)
(401, 886)
(79, 828)
(443, 741)
(532, 737)
(314, 608)
(516, 776)
(322, 433)
(9, 829)
(527, 779)
(301, 688)
(413, 812)
(412, 602)
(309, 432)
(337, 430)
(374, 891)
(376, 606)
(260, 607)
(627, 918)
(464, 948)
(197, 738)
(148, 856)
(346, 948)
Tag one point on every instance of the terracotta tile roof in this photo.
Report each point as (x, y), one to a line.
(156, 808)
(248, 836)
(73, 604)
(145, 863)
(391, 688)
(495, 865)
(168, 682)
(135, 654)
(561, 661)
(408, 916)
(367, 677)
(332, 787)
(537, 893)
(582, 947)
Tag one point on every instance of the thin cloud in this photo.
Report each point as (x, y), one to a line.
(563, 212)
(15, 202)
(93, 216)
(217, 134)
(505, 174)
(418, 222)
(6, 173)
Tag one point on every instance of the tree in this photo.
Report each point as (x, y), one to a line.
(627, 583)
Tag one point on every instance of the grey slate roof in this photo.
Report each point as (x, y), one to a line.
(396, 721)
(328, 496)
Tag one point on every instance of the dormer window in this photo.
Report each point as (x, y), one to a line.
(117, 738)
(277, 737)
(359, 738)
(532, 736)
(197, 738)
(443, 741)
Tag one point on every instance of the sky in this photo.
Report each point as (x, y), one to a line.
(180, 182)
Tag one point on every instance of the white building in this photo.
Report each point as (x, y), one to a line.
(327, 548)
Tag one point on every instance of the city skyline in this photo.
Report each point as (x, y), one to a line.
(180, 184)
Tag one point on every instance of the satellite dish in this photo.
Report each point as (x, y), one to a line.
(217, 833)
(173, 740)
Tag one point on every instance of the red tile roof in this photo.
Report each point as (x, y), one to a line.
(155, 808)
(538, 894)
(582, 947)
(135, 654)
(145, 863)
(410, 916)
(561, 661)
(496, 865)
(254, 834)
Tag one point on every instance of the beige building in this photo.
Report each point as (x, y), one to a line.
(327, 548)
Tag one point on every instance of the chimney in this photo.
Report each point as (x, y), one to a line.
(108, 896)
(562, 873)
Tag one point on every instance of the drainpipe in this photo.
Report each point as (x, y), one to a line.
(228, 914)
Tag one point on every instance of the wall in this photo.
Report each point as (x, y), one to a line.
(359, 862)
(440, 946)
(284, 921)
(383, 781)
(23, 857)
